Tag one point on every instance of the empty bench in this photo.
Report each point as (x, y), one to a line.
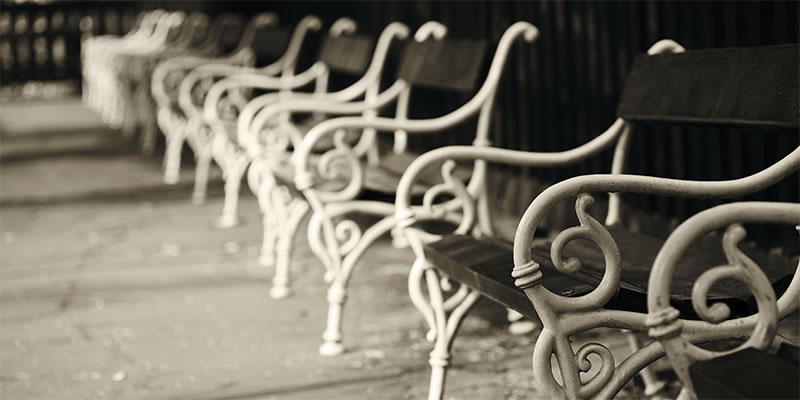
(601, 280)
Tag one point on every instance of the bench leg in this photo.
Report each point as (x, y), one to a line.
(237, 165)
(342, 244)
(172, 158)
(295, 209)
(447, 316)
(262, 183)
(201, 174)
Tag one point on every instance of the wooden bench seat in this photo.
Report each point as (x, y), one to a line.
(749, 374)
(486, 265)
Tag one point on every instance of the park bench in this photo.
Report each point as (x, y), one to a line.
(180, 84)
(351, 180)
(132, 72)
(601, 280)
(344, 52)
(202, 43)
(103, 92)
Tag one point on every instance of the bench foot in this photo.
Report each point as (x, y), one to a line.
(280, 292)
(226, 222)
(330, 349)
(332, 337)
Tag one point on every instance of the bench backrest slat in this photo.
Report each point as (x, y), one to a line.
(448, 64)
(271, 43)
(230, 37)
(346, 53)
(732, 86)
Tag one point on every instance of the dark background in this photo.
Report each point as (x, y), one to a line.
(554, 95)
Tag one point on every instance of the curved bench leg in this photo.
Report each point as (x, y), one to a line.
(269, 216)
(172, 158)
(447, 316)
(201, 173)
(233, 180)
(296, 210)
(345, 243)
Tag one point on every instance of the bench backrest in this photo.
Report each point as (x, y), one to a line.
(230, 33)
(735, 86)
(447, 64)
(270, 42)
(347, 53)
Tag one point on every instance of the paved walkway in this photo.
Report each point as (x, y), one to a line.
(115, 286)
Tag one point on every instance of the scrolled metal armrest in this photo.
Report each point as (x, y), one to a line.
(611, 183)
(308, 103)
(470, 108)
(164, 68)
(676, 335)
(258, 81)
(503, 156)
(193, 77)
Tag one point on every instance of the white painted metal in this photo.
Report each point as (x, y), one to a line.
(340, 252)
(561, 316)
(663, 319)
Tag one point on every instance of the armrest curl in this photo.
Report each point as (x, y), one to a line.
(503, 156)
(319, 103)
(610, 183)
(258, 81)
(663, 320)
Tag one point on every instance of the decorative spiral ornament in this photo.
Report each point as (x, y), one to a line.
(455, 187)
(607, 367)
(334, 164)
(744, 269)
(348, 233)
(589, 229)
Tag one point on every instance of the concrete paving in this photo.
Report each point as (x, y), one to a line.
(115, 286)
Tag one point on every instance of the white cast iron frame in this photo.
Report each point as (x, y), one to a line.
(663, 318)
(94, 51)
(106, 94)
(282, 213)
(441, 318)
(186, 45)
(173, 123)
(201, 130)
(340, 245)
(133, 72)
(435, 315)
(563, 316)
(235, 159)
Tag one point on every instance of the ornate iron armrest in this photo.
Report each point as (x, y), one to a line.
(248, 130)
(185, 64)
(473, 106)
(259, 81)
(479, 152)
(613, 183)
(210, 71)
(366, 86)
(663, 318)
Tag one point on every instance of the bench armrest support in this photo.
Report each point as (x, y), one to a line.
(663, 318)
